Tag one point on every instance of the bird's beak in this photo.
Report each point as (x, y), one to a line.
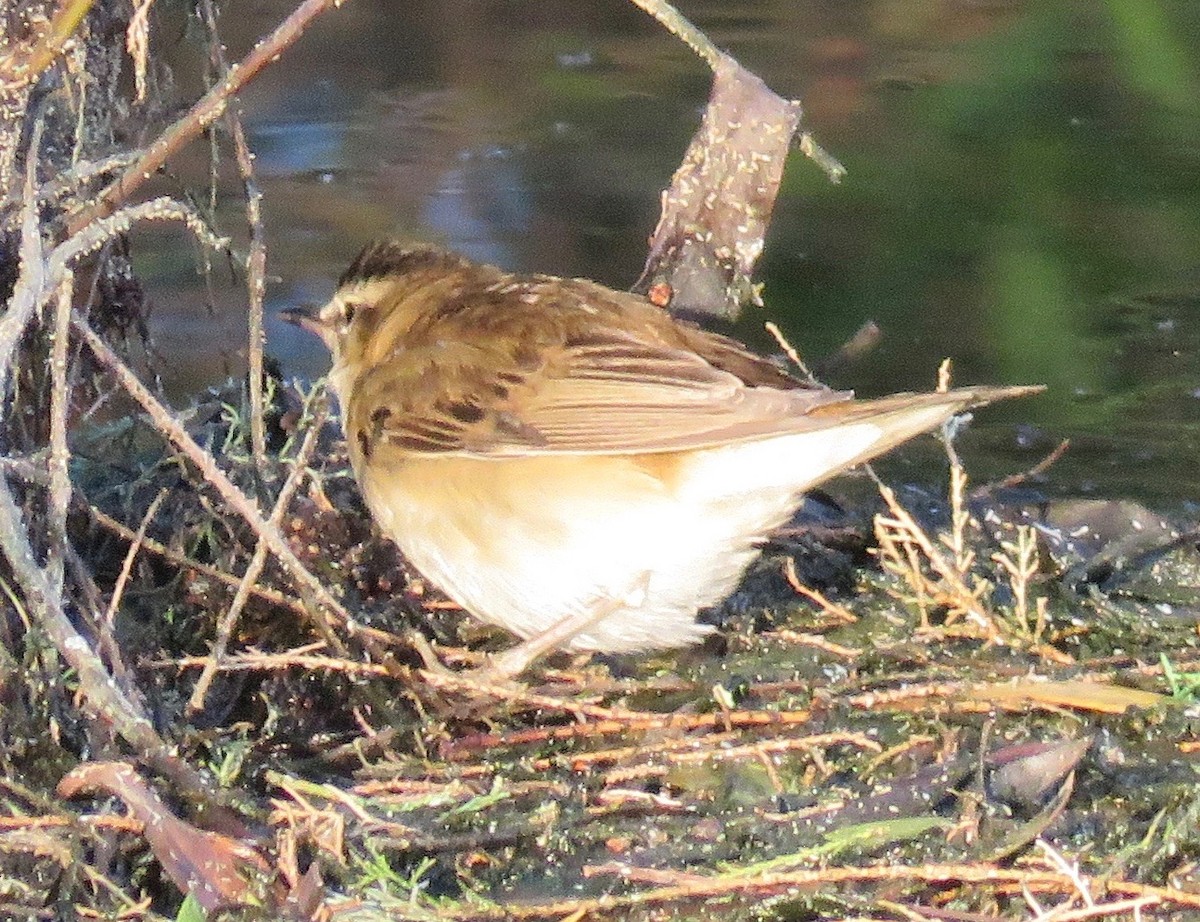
(306, 317)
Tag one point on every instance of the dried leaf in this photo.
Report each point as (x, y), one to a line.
(217, 870)
(1024, 774)
(1079, 694)
(1027, 832)
(714, 215)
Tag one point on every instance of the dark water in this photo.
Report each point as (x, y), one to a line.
(1023, 192)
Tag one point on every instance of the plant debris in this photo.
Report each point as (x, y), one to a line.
(982, 705)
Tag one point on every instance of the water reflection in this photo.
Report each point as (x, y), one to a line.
(1022, 195)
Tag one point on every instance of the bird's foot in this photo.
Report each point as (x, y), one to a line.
(502, 669)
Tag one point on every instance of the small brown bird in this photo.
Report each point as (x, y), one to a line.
(570, 462)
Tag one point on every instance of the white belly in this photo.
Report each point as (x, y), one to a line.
(524, 543)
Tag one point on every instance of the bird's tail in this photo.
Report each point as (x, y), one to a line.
(900, 417)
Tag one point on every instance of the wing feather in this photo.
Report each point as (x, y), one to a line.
(600, 383)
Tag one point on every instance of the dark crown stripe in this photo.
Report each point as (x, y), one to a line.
(391, 257)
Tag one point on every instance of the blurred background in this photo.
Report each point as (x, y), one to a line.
(1023, 192)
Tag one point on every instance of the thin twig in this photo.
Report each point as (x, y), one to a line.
(256, 661)
(137, 43)
(31, 272)
(786, 744)
(682, 29)
(1013, 480)
(40, 274)
(256, 260)
(675, 886)
(714, 57)
(959, 591)
(816, 641)
(106, 643)
(26, 66)
(27, 470)
(258, 560)
(609, 721)
(1059, 862)
(960, 516)
(596, 759)
(839, 612)
(829, 164)
(135, 545)
(100, 694)
(173, 430)
(789, 350)
(207, 110)
(267, 594)
(69, 182)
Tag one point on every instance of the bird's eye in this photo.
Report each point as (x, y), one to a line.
(349, 309)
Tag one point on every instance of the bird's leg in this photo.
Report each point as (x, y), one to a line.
(515, 660)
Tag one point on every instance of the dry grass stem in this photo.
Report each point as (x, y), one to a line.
(907, 552)
(135, 545)
(959, 514)
(172, 429)
(1015, 480)
(101, 695)
(805, 743)
(674, 886)
(623, 722)
(788, 349)
(255, 661)
(814, 640)
(960, 518)
(1019, 559)
(838, 612)
(901, 538)
(25, 66)
(21, 68)
(40, 277)
(943, 377)
(60, 456)
(137, 43)
(265, 593)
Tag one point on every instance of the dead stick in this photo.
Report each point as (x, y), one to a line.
(273, 596)
(675, 23)
(101, 696)
(265, 593)
(627, 722)
(100, 693)
(676, 885)
(60, 455)
(672, 886)
(961, 594)
(1013, 480)
(275, 662)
